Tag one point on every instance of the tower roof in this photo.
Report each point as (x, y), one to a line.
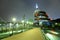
(36, 6)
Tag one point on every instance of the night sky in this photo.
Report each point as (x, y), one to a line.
(17, 8)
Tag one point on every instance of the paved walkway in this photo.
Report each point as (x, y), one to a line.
(33, 34)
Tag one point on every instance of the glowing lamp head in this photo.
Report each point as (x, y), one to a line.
(14, 19)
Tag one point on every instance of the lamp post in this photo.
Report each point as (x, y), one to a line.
(13, 20)
(10, 25)
(23, 21)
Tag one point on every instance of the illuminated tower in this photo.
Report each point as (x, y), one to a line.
(36, 22)
(41, 18)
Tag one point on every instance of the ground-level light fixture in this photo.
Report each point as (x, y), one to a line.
(22, 21)
(56, 23)
(10, 24)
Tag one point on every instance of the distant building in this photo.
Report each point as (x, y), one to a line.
(56, 23)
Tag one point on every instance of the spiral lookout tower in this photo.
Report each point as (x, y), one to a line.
(41, 18)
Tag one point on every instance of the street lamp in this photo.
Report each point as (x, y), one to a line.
(17, 25)
(23, 22)
(27, 22)
(13, 20)
(10, 25)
